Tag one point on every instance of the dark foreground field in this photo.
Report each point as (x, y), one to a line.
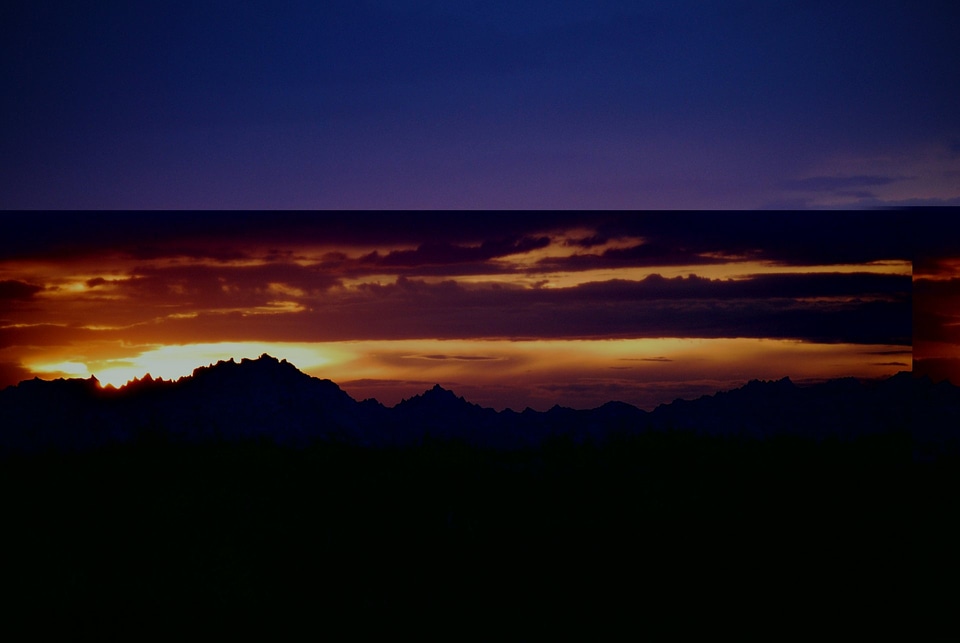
(654, 536)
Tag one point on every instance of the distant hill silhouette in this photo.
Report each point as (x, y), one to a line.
(271, 399)
(250, 487)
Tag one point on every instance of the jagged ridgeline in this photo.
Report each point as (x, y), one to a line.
(271, 399)
(251, 488)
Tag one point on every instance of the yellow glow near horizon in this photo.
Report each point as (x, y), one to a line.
(410, 364)
(62, 369)
(175, 361)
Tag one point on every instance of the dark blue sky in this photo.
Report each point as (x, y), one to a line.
(489, 104)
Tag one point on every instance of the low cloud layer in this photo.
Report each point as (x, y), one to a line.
(821, 281)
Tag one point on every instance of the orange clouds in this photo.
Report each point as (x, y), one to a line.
(420, 298)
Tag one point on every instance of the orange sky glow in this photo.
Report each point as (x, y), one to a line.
(936, 305)
(501, 373)
(576, 311)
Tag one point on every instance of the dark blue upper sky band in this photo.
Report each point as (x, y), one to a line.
(490, 104)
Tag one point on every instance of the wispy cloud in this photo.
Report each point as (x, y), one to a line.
(839, 183)
(815, 279)
(460, 358)
(13, 289)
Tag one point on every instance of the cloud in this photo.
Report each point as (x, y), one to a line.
(231, 236)
(370, 381)
(789, 238)
(935, 244)
(324, 297)
(927, 266)
(290, 302)
(653, 307)
(764, 286)
(802, 238)
(789, 203)
(462, 358)
(446, 253)
(682, 307)
(587, 242)
(655, 254)
(13, 289)
(856, 194)
(835, 183)
(909, 202)
(461, 85)
(196, 288)
(46, 335)
(936, 310)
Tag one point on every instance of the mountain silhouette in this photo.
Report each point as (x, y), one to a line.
(255, 487)
(271, 399)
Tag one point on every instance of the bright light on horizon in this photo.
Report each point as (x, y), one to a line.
(175, 361)
(521, 372)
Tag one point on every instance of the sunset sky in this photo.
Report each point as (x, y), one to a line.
(724, 106)
(418, 104)
(509, 310)
(936, 297)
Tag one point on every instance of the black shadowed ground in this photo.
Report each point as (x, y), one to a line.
(655, 529)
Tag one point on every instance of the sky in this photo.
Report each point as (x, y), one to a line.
(489, 104)
(506, 309)
(936, 298)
